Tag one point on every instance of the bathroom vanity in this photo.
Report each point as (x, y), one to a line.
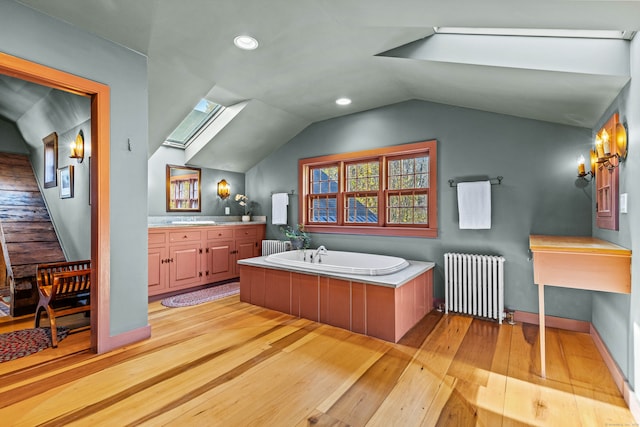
(192, 254)
(579, 263)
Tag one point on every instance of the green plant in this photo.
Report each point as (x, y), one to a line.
(297, 234)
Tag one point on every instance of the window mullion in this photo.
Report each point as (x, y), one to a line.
(340, 196)
(382, 180)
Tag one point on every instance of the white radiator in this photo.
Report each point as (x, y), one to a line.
(274, 246)
(474, 284)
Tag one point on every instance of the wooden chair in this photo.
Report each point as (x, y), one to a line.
(63, 288)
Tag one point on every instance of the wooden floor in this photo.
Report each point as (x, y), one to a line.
(228, 363)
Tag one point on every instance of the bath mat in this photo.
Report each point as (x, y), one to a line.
(203, 295)
(27, 341)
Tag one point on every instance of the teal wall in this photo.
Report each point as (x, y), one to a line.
(66, 114)
(10, 139)
(39, 38)
(616, 317)
(540, 193)
(212, 205)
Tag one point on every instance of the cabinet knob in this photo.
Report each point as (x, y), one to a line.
(184, 237)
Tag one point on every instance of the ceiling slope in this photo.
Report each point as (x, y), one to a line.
(315, 51)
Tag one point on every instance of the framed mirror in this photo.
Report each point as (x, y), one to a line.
(50, 160)
(183, 189)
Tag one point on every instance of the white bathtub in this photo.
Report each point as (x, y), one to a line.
(340, 262)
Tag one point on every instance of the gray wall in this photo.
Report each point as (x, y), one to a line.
(39, 38)
(58, 112)
(617, 317)
(212, 205)
(539, 194)
(11, 140)
(66, 114)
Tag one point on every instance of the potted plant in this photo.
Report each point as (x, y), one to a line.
(299, 238)
(246, 204)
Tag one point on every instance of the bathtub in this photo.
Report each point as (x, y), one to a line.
(340, 262)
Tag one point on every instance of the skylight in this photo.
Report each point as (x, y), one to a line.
(203, 113)
(537, 32)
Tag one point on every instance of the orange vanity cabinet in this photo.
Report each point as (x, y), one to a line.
(190, 256)
(185, 253)
(247, 245)
(158, 255)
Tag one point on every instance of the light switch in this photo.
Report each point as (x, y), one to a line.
(226, 210)
(623, 203)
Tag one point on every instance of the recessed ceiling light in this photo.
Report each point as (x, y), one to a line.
(246, 42)
(343, 101)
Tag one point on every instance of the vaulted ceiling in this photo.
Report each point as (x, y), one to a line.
(375, 52)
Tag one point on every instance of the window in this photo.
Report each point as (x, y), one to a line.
(388, 191)
(204, 112)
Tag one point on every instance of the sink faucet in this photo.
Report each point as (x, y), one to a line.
(320, 251)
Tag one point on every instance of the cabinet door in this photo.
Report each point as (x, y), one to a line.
(184, 268)
(219, 260)
(158, 270)
(246, 248)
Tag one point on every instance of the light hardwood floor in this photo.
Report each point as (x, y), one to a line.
(228, 363)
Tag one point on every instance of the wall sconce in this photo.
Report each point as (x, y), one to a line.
(77, 147)
(621, 140)
(582, 173)
(224, 190)
(603, 147)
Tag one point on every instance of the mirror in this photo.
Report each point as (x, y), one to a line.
(183, 189)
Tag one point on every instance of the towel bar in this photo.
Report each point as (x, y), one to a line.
(453, 183)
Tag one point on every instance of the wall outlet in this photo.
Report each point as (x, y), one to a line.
(227, 210)
(623, 203)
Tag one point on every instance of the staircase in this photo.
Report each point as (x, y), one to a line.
(27, 236)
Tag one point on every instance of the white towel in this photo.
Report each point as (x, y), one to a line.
(474, 205)
(279, 202)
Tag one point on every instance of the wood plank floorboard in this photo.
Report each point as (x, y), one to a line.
(228, 363)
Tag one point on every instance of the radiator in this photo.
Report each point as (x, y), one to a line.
(274, 246)
(474, 285)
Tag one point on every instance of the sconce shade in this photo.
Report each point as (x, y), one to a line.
(621, 140)
(594, 161)
(223, 189)
(77, 147)
(581, 171)
(606, 142)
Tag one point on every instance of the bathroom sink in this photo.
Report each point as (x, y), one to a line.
(193, 222)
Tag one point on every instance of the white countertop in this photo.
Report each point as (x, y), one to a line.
(200, 224)
(393, 280)
(202, 221)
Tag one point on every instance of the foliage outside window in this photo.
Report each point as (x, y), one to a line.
(387, 191)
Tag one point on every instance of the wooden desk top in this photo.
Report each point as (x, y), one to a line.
(539, 243)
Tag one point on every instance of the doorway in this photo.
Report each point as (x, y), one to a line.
(99, 185)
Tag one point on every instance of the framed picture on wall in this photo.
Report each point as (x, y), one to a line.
(50, 160)
(66, 182)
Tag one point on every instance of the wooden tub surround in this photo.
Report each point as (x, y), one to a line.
(579, 263)
(384, 307)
